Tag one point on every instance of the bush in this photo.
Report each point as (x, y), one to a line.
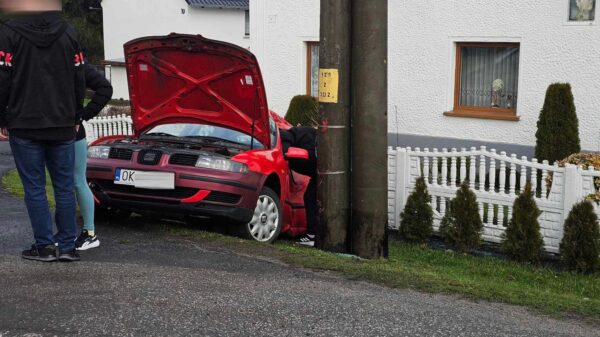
(303, 110)
(580, 246)
(557, 135)
(417, 218)
(585, 160)
(522, 239)
(461, 226)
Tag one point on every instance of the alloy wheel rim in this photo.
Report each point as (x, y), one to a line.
(264, 222)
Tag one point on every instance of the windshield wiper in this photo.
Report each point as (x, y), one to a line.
(220, 141)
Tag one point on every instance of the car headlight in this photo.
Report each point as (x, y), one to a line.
(98, 152)
(221, 164)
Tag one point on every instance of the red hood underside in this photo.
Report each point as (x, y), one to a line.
(187, 78)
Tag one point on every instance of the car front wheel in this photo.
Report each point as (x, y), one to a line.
(267, 221)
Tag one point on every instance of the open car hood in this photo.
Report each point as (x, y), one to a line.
(188, 78)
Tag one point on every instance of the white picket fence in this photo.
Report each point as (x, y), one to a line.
(107, 126)
(493, 178)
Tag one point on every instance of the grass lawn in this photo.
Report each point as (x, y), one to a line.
(12, 183)
(428, 270)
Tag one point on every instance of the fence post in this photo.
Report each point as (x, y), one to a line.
(572, 187)
(402, 182)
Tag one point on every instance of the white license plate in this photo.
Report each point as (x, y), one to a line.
(148, 180)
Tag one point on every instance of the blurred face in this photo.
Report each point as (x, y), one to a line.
(12, 6)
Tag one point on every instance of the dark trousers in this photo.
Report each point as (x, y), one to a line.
(308, 167)
(310, 204)
(32, 158)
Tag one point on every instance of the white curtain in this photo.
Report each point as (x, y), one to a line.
(314, 69)
(480, 67)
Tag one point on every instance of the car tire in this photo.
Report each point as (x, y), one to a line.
(105, 213)
(267, 220)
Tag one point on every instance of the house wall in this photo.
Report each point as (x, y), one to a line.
(279, 31)
(125, 20)
(117, 75)
(422, 37)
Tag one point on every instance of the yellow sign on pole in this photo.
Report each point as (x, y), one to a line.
(329, 80)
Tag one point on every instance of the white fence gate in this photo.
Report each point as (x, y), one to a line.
(107, 126)
(496, 179)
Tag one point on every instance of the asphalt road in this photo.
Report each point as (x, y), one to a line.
(143, 283)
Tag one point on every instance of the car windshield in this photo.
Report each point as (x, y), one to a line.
(203, 132)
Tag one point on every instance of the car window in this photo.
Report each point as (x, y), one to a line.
(273, 132)
(200, 130)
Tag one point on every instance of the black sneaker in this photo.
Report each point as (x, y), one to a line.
(44, 254)
(85, 241)
(307, 240)
(70, 256)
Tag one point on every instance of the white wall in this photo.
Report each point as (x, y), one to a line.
(117, 76)
(422, 37)
(125, 20)
(279, 30)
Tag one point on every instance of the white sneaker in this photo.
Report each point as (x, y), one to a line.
(307, 240)
(86, 241)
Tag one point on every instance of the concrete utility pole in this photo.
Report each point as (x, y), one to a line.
(369, 128)
(334, 131)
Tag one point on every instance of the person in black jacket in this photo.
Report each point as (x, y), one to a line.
(102, 94)
(305, 137)
(41, 86)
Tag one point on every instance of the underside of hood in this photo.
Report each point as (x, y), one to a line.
(190, 79)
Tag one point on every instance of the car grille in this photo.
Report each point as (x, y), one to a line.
(121, 154)
(223, 197)
(149, 157)
(183, 159)
(178, 193)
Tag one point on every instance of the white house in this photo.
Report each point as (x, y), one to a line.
(461, 73)
(125, 20)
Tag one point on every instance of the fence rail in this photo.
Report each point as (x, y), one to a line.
(496, 179)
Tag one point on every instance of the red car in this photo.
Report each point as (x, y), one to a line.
(205, 142)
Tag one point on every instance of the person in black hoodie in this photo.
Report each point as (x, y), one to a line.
(305, 137)
(42, 86)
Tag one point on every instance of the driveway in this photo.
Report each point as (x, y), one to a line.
(142, 282)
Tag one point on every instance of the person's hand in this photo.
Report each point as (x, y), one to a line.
(3, 133)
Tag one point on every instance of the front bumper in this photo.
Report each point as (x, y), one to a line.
(199, 192)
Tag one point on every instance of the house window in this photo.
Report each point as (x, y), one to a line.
(247, 33)
(487, 78)
(582, 10)
(312, 68)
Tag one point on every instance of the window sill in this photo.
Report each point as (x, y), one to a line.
(483, 115)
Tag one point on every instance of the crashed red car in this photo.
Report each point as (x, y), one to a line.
(205, 142)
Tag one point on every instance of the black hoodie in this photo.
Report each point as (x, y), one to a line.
(42, 82)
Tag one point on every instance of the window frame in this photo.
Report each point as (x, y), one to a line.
(309, 45)
(474, 111)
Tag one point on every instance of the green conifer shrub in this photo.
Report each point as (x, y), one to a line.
(303, 110)
(416, 224)
(522, 240)
(580, 246)
(557, 133)
(461, 226)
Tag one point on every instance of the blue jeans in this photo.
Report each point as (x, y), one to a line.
(32, 158)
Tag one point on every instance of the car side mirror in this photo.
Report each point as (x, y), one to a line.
(296, 153)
